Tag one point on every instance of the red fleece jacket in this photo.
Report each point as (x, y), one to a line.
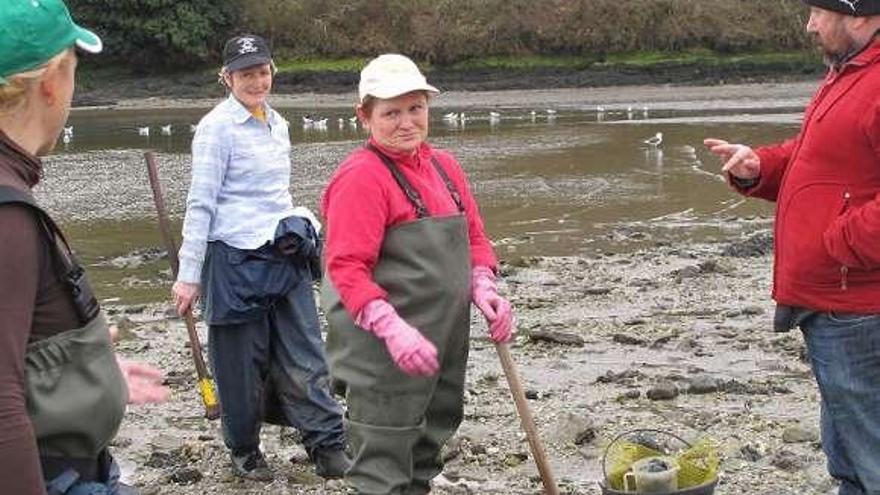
(826, 183)
(363, 200)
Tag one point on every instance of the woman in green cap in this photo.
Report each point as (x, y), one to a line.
(62, 389)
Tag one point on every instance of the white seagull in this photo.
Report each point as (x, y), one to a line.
(655, 141)
(165, 130)
(320, 124)
(143, 131)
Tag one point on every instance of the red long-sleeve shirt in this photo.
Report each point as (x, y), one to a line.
(362, 201)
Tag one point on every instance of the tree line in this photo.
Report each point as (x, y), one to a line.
(157, 35)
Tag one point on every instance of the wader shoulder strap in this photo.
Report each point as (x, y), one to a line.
(66, 266)
(47, 225)
(449, 185)
(410, 192)
(414, 197)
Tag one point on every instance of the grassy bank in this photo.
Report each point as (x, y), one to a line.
(645, 59)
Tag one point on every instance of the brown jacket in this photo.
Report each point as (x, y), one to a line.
(34, 304)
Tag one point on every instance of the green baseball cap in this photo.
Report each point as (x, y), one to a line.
(34, 31)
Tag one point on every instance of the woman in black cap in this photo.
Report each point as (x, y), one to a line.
(251, 255)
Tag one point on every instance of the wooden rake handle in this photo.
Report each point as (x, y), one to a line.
(526, 420)
(206, 385)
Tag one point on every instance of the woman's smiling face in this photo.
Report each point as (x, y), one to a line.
(251, 85)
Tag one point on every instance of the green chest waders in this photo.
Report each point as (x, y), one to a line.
(397, 423)
(75, 391)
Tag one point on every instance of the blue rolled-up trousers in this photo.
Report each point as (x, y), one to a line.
(282, 348)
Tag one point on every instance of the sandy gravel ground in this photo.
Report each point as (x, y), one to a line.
(676, 337)
(672, 337)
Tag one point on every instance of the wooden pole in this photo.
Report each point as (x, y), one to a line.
(206, 385)
(526, 420)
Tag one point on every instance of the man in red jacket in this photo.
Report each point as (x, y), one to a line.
(826, 183)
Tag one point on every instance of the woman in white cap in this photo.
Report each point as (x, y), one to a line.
(253, 254)
(406, 255)
(62, 390)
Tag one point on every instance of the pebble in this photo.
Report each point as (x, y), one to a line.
(663, 391)
(799, 434)
(787, 461)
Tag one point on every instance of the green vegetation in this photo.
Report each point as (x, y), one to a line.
(155, 35)
(321, 65)
(706, 57)
(639, 59)
(337, 35)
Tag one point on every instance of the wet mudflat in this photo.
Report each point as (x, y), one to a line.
(634, 271)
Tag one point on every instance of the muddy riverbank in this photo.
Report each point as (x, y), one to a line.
(651, 331)
(104, 87)
(663, 96)
(675, 337)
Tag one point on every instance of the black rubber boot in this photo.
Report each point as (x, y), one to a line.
(252, 466)
(331, 463)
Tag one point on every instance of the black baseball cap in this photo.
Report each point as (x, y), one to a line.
(856, 8)
(246, 51)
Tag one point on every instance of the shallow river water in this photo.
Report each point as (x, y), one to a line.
(574, 182)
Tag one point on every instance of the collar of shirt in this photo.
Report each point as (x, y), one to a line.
(404, 159)
(240, 114)
(22, 166)
(868, 55)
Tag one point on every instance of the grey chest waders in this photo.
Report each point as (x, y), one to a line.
(76, 393)
(398, 423)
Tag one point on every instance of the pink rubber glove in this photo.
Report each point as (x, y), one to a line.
(412, 353)
(496, 309)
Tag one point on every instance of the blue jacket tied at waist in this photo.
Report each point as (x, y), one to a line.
(242, 284)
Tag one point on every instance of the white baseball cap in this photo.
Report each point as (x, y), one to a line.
(391, 75)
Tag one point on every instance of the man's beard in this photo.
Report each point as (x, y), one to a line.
(839, 57)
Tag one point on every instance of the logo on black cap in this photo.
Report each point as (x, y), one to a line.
(246, 45)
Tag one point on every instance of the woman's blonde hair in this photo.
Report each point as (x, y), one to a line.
(13, 93)
(224, 72)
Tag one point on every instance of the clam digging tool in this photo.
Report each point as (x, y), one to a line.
(206, 385)
(526, 420)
